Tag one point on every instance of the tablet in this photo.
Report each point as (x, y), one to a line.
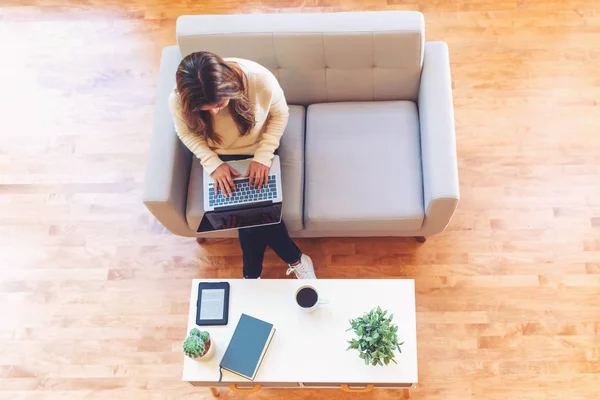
(212, 306)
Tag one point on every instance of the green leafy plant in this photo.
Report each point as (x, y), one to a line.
(377, 337)
(196, 344)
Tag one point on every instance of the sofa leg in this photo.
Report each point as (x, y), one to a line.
(421, 239)
(200, 240)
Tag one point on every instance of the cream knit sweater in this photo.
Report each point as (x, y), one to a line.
(270, 112)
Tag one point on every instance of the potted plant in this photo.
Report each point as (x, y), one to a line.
(198, 345)
(377, 337)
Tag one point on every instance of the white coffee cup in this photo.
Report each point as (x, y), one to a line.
(307, 298)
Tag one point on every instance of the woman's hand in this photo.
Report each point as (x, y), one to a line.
(258, 174)
(223, 179)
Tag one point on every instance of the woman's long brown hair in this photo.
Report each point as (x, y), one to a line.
(205, 78)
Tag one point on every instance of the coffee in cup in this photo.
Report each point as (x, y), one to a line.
(307, 298)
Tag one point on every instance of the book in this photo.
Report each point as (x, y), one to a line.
(247, 347)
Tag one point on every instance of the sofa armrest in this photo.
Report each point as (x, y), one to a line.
(168, 169)
(438, 142)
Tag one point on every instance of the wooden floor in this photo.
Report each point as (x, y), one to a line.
(94, 294)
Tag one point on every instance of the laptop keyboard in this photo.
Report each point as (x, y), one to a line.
(243, 193)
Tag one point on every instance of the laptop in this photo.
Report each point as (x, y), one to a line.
(248, 206)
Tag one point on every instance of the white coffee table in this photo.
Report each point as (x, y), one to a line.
(308, 350)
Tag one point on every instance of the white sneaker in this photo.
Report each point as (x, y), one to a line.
(304, 270)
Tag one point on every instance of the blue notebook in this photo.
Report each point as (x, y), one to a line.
(247, 347)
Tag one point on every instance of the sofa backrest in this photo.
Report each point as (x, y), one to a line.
(317, 58)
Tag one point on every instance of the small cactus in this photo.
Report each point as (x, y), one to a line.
(195, 332)
(195, 344)
(204, 336)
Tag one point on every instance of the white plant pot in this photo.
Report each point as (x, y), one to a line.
(209, 354)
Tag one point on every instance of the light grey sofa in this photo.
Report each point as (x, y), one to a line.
(369, 149)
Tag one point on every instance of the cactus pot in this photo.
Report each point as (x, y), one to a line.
(209, 352)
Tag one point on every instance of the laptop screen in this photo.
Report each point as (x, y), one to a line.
(240, 218)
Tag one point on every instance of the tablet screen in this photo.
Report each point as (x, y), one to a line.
(212, 304)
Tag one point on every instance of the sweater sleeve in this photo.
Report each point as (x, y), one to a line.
(197, 145)
(276, 121)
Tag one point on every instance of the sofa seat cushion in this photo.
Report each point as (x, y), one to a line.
(291, 154)
(363, 167)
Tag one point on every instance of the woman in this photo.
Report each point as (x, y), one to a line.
(236, 107)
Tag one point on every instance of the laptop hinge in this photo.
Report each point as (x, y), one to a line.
(244, 206)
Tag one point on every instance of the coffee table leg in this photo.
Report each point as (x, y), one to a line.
(215, 392)
(406, 393)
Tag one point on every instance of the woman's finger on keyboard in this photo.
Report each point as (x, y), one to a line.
(221, 187)
(227, 183)
(230, 182)
(259, 180)
(264, 176)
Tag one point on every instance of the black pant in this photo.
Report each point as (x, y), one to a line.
(255, 240)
